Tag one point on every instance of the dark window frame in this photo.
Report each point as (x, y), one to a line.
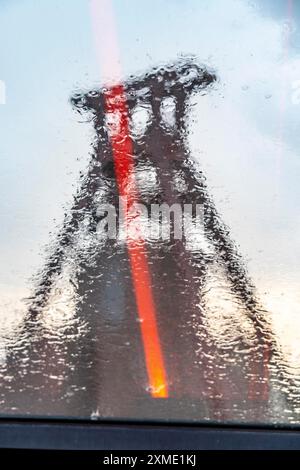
(82, 435)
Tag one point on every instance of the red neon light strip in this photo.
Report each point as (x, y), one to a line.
(122, 147)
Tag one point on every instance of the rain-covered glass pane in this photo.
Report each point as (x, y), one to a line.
(149, 196)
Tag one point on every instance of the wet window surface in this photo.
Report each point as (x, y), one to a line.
(149, 210)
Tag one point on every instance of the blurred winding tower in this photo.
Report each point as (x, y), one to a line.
(198, 368)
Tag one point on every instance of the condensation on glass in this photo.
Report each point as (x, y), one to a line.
(149, 213)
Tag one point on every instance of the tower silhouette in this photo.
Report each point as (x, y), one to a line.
(107, 361)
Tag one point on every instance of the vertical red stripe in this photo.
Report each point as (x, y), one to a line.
(122, 147)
